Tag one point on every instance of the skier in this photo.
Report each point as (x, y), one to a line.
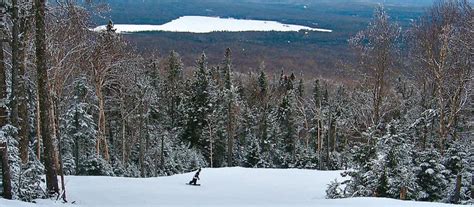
(195, 178)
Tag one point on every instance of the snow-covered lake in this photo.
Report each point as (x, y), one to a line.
(219, 187)
(203, 24)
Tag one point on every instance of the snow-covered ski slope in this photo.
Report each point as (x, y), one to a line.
(203, 24)
(220, 187)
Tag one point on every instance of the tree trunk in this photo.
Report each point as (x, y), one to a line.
(424, 132)
(101, 140)
(320, 131)
(54, 129)
(381, 66)
(211, 147)
(76, 142)
(14, 69)
(3, 78)
(472, 186)
(61, 170)
(123, 141)
(6, 178)
(439, 78)
(43, 93)
(334, 135)
(230, 134)
(162, 153)
(38, 129)
(23, 107)
(457, 190)
(22, 91)
(123, 117)
(424, 136)
(378, 97)
(442, 128)
(328, 138)
(320, 142)
(141, 153)
(7, 185)
(403, 193)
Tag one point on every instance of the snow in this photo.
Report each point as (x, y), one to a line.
(429, 171)
(203, 24)
(220, 187)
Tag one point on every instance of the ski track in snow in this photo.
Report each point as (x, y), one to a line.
(220, 187)
(203, 24)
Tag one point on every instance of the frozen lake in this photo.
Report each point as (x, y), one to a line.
(203, 24)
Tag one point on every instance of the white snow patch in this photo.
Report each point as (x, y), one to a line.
(203, 24)
(219, 187)
(429, 171)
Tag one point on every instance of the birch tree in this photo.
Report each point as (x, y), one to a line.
(442, 47)
(376, 47)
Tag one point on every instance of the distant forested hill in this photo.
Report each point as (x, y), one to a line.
(338, 14)
(314, 53)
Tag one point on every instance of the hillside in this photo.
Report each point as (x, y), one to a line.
(220, 187)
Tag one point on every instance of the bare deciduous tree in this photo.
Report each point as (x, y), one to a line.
(442, 46)
(377, 50)
(107, 54)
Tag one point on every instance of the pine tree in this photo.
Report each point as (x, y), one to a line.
(287, 136)
(8, 134)
(316, 129)
(397, 149)
(335, 190)
(173, 89)
(300, 89)
(457, 163)
(385, 169)
(227, 109)
(80, 136)
(31, 179)
(263, 112)
(250, 149)
(430, 177)
(198, 106)
(253, 158)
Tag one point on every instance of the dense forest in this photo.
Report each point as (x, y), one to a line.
(78, 102)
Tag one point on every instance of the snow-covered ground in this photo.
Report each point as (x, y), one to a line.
(220, 187)
(203, 24)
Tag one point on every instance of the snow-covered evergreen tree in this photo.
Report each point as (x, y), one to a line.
(335, 190)
(287, 137)
(265, 119)
(198, 106)
(430, 175)
(80, 136)
(397, 149)
(305, 158)
(31, 180)
(457, 161)
(386, 169)
(8, 134)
